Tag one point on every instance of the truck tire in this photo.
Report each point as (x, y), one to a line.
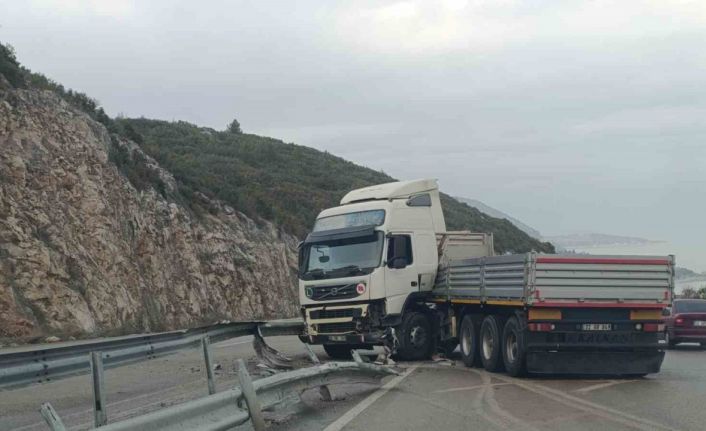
(339, 351)
(513, 348)
(490, 343)
(414, 336)
(670, 341)
(468, 339)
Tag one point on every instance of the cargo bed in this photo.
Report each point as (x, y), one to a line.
(542, 280)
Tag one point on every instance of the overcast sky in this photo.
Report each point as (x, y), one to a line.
(573, 116)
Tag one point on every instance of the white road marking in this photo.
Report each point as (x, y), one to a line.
(575, 402)
(602, 385)
(351, 414)
(468, 388)
(582, 404)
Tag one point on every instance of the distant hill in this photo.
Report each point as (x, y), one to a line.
(686, 273)
(501, 215)
(582, 240)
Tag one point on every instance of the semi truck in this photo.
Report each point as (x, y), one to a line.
(381, 269)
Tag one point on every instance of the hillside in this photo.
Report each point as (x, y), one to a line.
(285, 183)
(110, 226)
(88, 247)
(534, 233)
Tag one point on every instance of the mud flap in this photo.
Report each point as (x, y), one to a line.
(596, 363)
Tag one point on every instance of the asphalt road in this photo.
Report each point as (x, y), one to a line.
(427, 396)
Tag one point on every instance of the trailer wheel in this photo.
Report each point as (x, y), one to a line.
(513, 348)
(490, 341)
(414, 336)
(468, 339)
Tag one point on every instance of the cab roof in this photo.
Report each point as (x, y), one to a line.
(396, 190)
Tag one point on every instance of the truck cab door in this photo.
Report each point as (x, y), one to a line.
(401, 275)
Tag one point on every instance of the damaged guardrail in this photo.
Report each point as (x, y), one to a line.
(234, 407)
(56, 362)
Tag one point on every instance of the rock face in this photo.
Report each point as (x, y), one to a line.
(82, 252)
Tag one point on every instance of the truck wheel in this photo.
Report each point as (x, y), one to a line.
(468, 338)
(513, 348)
(339, 351)
(670, 341)
(414, 336)
(490, 341)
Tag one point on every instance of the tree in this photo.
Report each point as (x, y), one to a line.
(234, 127)
(702, 292)
(689, 293)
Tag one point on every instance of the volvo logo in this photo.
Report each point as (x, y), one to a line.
(334, 291)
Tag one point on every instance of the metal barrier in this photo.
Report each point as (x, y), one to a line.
(56, 362)
(231, 408)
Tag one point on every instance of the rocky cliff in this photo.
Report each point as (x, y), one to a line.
(83, 252)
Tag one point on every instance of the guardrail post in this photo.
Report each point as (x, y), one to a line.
(324, 391)
(206, 345)
(312, 355)
(100, 417)
(250, 396)
(52, 417)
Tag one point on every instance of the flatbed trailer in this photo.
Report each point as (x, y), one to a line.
(578, 314)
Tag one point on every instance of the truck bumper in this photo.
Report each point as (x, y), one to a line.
(595, 362)
(368, 338)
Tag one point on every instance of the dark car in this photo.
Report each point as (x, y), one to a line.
(685, 322)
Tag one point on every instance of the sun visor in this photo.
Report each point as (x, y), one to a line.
(343, 233)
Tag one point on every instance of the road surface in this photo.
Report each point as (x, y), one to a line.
(427, 396)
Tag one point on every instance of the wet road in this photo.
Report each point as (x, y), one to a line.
(442, 396)
(427, 396)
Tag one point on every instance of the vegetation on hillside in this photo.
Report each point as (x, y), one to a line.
(262, 177)
(691, 293)
(285, 183)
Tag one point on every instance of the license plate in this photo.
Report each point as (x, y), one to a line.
(596, 327)
(699, 322)
(337, 337)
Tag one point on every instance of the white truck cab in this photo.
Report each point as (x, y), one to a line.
(366, 259)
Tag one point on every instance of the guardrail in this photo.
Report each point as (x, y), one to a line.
(56, 362)
(234, 407)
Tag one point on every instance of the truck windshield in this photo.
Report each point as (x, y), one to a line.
(341, 258)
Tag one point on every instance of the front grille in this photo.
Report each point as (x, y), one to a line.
(333, 314)
(335, 328)
(327, 293)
